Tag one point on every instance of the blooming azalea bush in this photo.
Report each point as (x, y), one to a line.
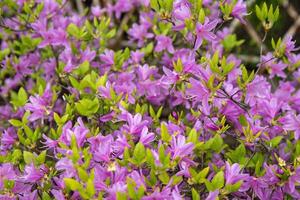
(145, 99)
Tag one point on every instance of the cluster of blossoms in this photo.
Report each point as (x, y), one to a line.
(144, 99)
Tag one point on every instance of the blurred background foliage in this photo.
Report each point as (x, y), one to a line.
(252, 32)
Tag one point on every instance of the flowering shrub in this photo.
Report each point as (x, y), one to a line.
(142, 99)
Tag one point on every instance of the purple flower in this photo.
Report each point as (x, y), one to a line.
(171, 77)
(164, 194)
(7, 172)
(275, 68)
(176, 194)
(97, 11)
(239, 11)
(204, 31)
(269, 108)
(136, 56)
(107, 58)
(291, 122)
(58, 194)
(39, 105)
(270, 176)
(23, 67)
(179, 148)
(293, 180)
(139, 33)
(107, 117)
(181, 12)
(122, 6)
(49, 143)
(213, 195)
(146, 138)
(197, 90)
(87, 55)
(79, 131)
(233, 175)
(102, 148)
(164, 43)
(135, 124)
(144, 72)
(8, 138)
(66, 166)
(115, 188)
(32, 174)
(53, 37)
(289, 45)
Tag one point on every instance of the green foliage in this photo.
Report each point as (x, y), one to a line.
(87, 107)
(268, 16)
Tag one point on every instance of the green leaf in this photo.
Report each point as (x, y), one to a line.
(265, 10)
(165, 136)
(28, 132)
(200, 177)
(209, 185)
(131, 188)
(139, 153)
(275, 141)
(83, 68)
(229, 188)
(121, 196)
(164, 178)
(214, 63)
(26, 8)
(40, 159)
(140, 192)
(46, 196)
(244, 73)
(87, 107)
(195, 194)
(238, 155)
(83, 175)
(271, 14)
(259, 13)
(150, 158)
(72, 184)
(152, 112)
(201, 16)
(73, 30)
(28, 157)
(217, 143)
(148, 49)
(158, 114)
(56, 118)
(218, 180)
(4, 53)
(230, 41)
(22, 96)
(154, 4)
(16, 156)
(193, 137)
(168, 5)
(227, 68)
(276, 14)
(243, 121)
(15, 122)
(178, 66)
(176, 180)
(90, 188)
(74, 82)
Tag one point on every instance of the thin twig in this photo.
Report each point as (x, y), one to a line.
(248, 161)
(79, 6)
(261, 52)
